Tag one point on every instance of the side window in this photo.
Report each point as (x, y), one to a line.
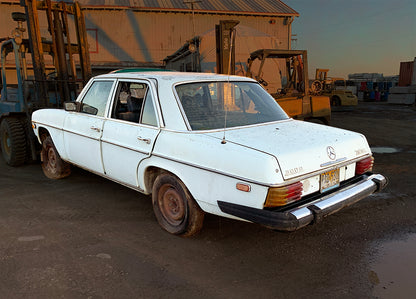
(134, 103)
(96, 98)
(149, 114)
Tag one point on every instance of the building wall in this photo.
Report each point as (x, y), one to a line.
(150, 37)
(124, 37)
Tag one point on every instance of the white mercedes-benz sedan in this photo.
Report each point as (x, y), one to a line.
(206, 143)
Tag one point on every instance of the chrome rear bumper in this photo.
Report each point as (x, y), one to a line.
(310, 212)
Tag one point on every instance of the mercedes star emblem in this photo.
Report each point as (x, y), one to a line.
(331, 152)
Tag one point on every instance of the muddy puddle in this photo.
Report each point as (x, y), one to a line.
(384, 150)
(393, 270)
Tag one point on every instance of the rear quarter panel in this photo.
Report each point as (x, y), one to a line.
(211, 170)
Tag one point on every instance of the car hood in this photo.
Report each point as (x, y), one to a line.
(300, 147)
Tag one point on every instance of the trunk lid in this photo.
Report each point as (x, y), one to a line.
(300, 147)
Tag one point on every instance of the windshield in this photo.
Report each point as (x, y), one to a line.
(215, 105)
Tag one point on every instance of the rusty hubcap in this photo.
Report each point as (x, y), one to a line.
(172, 205)
(51, 158)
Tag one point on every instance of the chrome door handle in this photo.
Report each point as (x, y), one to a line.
(147, 140)
(95, 129)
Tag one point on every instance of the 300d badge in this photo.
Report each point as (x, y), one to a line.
(293, 171)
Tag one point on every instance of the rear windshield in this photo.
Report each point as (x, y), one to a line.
(215, 105)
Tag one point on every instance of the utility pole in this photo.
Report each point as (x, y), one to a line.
(193, 2)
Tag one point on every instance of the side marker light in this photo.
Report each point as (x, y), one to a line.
(243, 187)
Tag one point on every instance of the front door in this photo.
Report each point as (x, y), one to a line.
(83, 130)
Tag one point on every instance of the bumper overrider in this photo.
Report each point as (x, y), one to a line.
(310, 212)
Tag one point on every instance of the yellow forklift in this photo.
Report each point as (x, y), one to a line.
(334, 88)
(290, 67)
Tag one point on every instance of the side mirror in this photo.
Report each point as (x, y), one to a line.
(72, 106)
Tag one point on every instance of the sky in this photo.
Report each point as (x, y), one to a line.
(355, 36)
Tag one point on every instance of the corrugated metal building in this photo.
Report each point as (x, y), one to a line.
(143, 32)
(405, 92)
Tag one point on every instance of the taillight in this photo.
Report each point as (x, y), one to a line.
(281, 196)
(364, 165)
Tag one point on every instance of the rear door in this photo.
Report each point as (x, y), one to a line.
(131, 130)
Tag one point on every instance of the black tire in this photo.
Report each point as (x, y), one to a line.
(325, 120)
(316, 86)
(30, 135)
(13, 141)
(174, 207)
(335, 101)
(52, 165)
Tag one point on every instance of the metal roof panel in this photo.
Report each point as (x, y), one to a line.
(258, 7)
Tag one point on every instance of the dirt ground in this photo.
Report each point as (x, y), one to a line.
(87, 237)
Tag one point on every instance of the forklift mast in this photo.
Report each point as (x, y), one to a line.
(58, 27)
(225, 41)
(42, 90)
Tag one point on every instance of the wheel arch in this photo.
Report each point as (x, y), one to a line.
(150, 175)
(152, 172)
(153, 169)
(42, 133)
(56, 135)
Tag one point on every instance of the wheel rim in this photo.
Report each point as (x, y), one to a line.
(7, 143)
(171, 205)
(51, 158)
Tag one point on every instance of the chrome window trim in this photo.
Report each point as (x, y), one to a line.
(155, 99)
(88, 87)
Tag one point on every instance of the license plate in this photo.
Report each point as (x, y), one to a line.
(329, 180)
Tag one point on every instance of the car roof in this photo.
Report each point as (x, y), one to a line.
(174, 77)
(139, 69)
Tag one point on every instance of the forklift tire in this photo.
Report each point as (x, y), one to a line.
(30, 139)
(335, 101)
(52, 165)
(13, 141)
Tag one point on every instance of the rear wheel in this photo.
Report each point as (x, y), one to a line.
(174, 207)
(13, 141)
(52, 165)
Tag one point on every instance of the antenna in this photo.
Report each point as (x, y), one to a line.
(223, 141)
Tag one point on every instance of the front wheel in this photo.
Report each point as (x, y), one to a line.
(52, 165)
(335, 101)
(174, 207)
